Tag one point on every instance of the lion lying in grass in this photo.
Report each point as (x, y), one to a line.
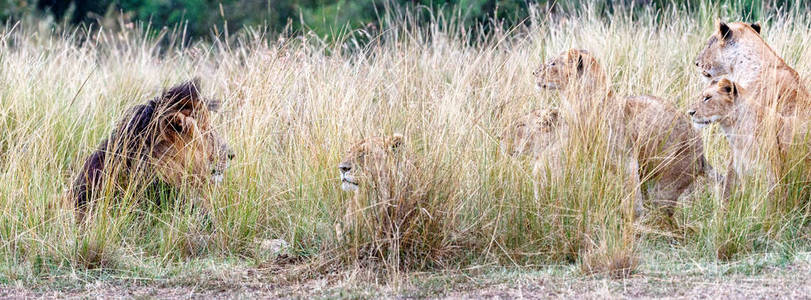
(169, 139)
(532, 134)
(379, 170)
(653, 138)
(538, 135)
(387, 212)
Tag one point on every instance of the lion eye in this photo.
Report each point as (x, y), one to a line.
(706, 98)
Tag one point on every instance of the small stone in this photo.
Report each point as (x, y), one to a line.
(274, 247)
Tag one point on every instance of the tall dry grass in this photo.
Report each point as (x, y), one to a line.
(294, 104)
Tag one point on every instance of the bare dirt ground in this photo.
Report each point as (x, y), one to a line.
(792, 281)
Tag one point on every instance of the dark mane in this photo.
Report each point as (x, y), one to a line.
(182, 96)
(133, 140)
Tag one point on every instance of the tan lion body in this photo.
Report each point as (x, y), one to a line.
(656, 141)
(749, 128)
(380, 172)
(737, 51)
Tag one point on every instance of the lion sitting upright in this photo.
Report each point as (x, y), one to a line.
(657, 143)
(169, 139)
(750, 129)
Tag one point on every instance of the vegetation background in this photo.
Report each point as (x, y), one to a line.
(302, 80)
(335, 17)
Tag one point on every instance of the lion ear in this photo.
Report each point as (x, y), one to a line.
(580, 66)
(554, 115)
(575, 57)
(735, 89)
(727, 86)
(756, 27)
(395, 141)
(724, 31)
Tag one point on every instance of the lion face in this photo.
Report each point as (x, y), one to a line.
(364, 159)
(574, 66)
(719, 54)
(531, 133)
(717, 101)
(189, 149)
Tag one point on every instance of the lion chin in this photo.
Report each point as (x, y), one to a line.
(349, 186)
(217, 179)
(701, 123)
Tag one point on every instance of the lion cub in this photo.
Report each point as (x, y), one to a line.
(655, 140)
(746, 125)
(533, 134)
(538, 135)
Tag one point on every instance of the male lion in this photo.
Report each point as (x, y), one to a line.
(167, 140)
(737, 51)
(652, 137)
(748, 127)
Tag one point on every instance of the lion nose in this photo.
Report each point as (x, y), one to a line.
(691, 112)
(344, 168)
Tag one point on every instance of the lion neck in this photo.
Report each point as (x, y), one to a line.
(587, 96)
(739, 127)
(749, 59)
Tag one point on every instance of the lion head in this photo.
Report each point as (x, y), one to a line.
(531, 133)
(169, 138)
(719, 54)
(187, 148)
(368, 159)
(575, 66)
(717, 101)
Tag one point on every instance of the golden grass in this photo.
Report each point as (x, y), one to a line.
(293, 105)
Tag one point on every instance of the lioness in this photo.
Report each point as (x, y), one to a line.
(723, 102)
(367, 159)
(386, 200)
(167, 140)
(737, 51)
(656, 141)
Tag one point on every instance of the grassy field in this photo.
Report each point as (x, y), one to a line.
(293, 105)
